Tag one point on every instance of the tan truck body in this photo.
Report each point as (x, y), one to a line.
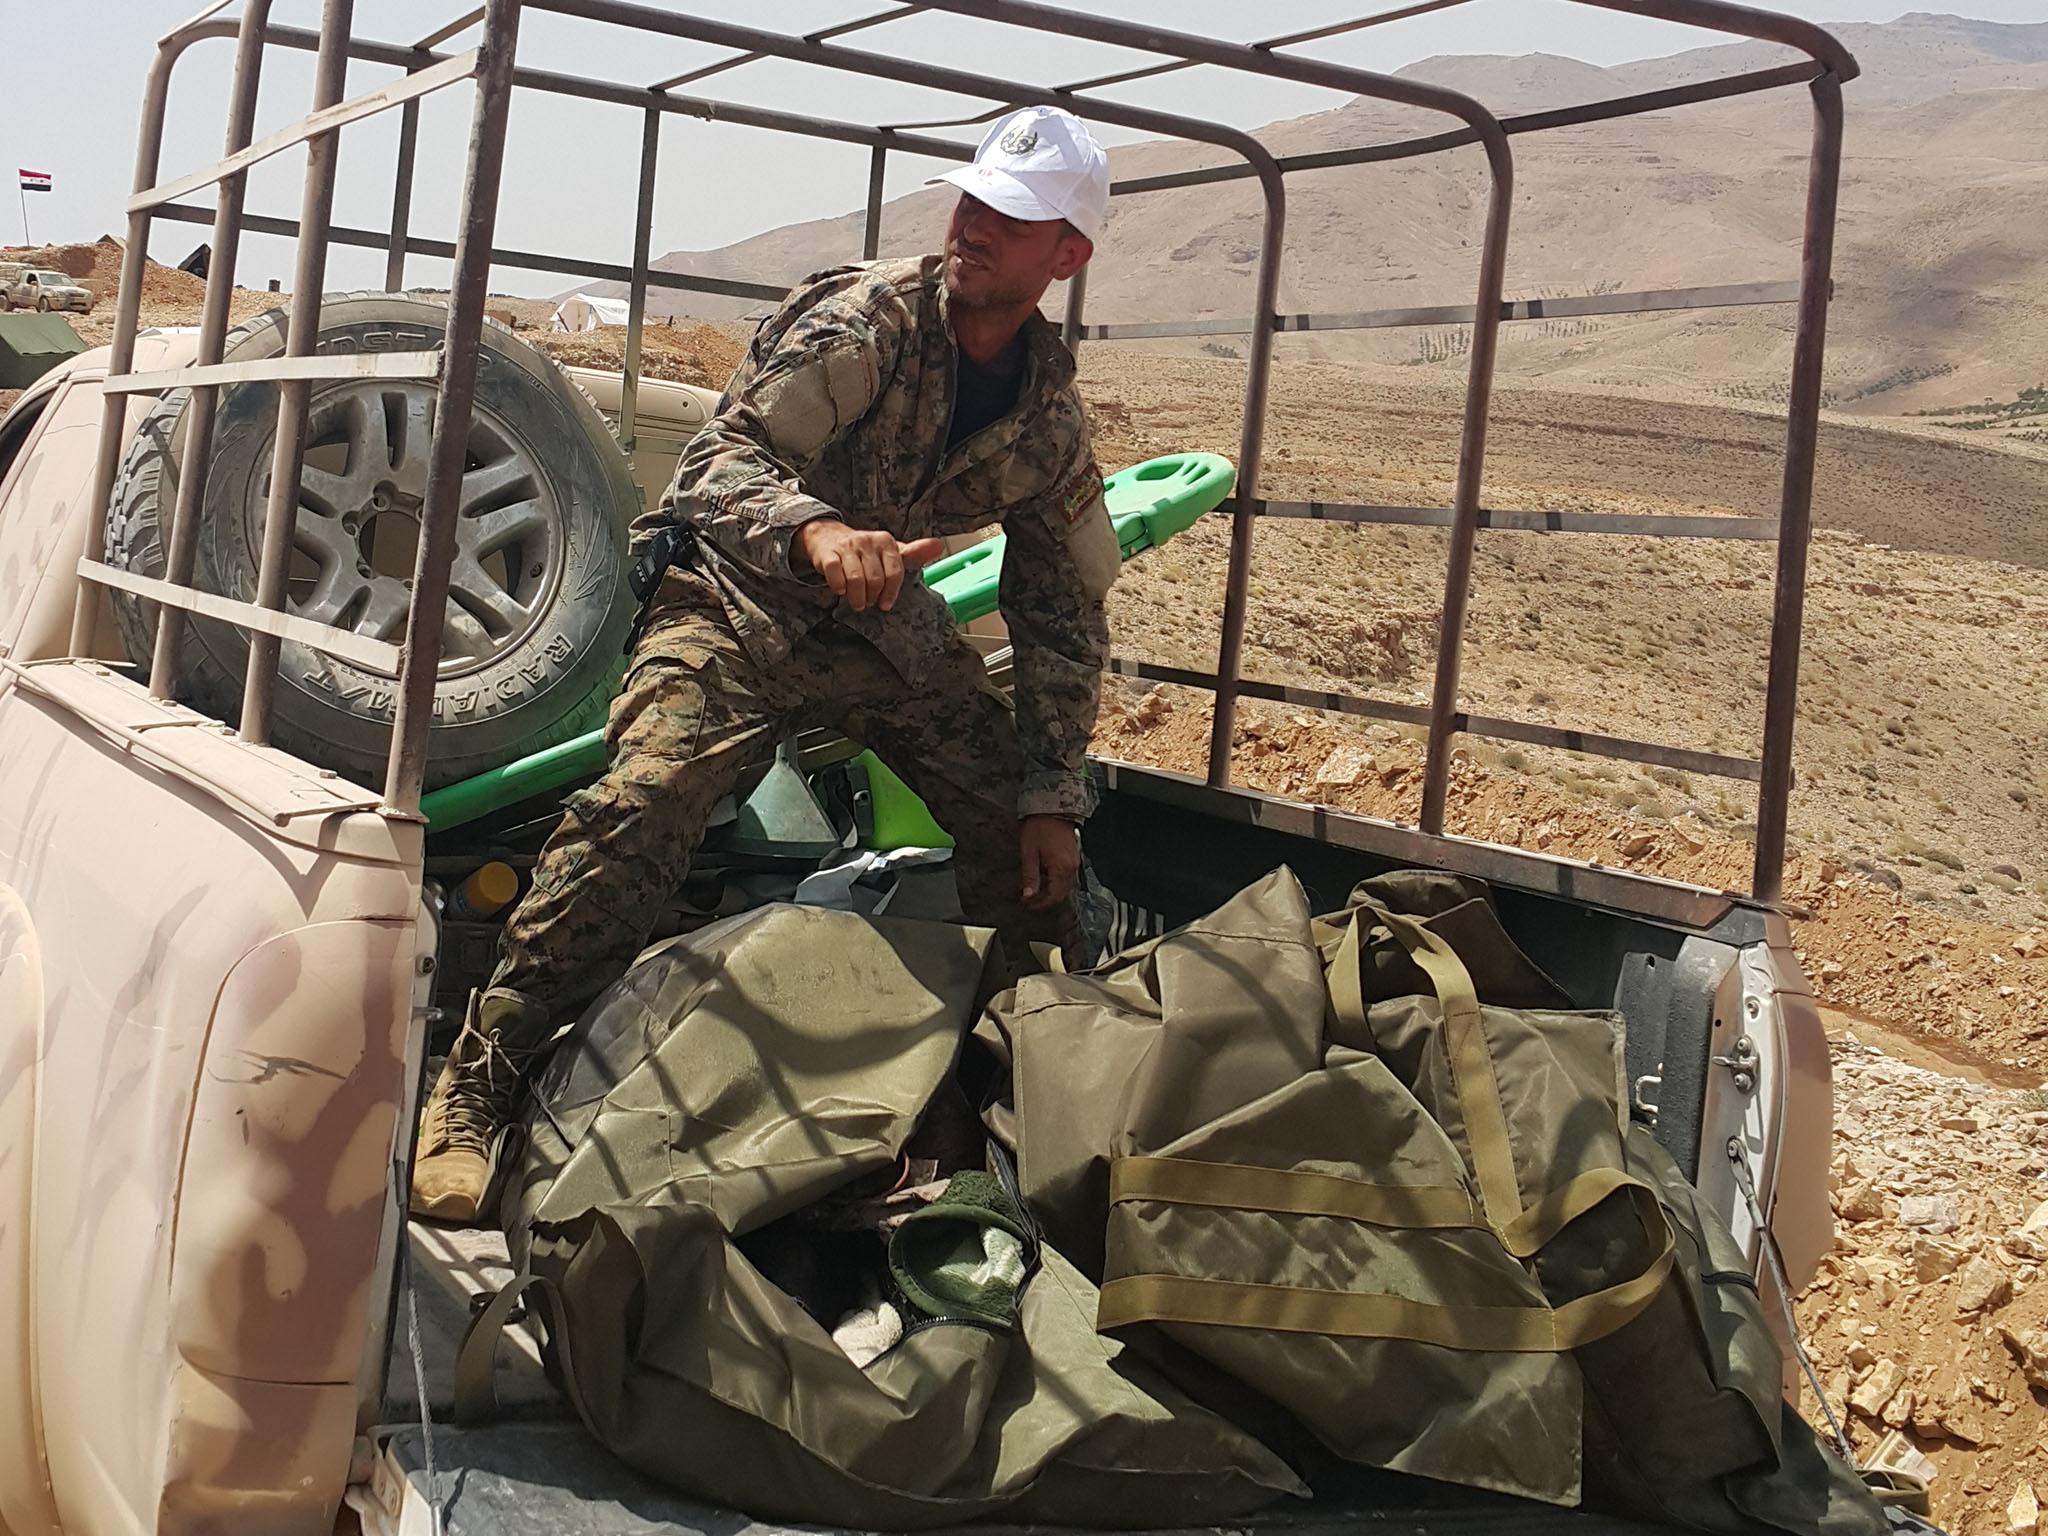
(208, 955)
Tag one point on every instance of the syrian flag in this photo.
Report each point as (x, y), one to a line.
(35, 181)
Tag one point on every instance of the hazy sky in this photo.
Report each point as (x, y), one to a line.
(69, 92)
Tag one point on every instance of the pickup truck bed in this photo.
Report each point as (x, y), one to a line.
(536, 1472)
(1683, 964)
(535, 1479)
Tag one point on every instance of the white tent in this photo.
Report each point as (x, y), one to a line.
(587, 311)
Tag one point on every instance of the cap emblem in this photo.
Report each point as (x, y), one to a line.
(1018, 141)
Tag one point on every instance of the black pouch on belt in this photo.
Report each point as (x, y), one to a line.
(668, 546)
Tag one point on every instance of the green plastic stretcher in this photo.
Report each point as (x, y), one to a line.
(1148, 504)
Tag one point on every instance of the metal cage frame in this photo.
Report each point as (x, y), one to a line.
(492, 66)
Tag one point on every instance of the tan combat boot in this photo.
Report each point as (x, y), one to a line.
(472, 1102)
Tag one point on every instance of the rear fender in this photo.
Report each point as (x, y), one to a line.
(207, 976)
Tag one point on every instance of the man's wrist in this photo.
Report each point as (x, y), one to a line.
(1069, 796)
(799, 556)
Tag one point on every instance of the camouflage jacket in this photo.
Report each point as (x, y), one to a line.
(841, 409)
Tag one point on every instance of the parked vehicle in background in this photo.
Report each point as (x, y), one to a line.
(34, 288)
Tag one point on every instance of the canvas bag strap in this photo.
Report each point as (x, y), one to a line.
(1465, 1047)
(1292, 1191)
(1190, 1299)
(1203, 1301)
(476, 1364)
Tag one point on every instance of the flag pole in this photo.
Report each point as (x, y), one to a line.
(22, 192)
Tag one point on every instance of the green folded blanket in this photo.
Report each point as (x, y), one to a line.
(965, 1256)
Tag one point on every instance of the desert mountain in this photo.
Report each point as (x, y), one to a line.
(1915, 58)
(1941, 272)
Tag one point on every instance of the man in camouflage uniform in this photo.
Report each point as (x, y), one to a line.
(883, 408)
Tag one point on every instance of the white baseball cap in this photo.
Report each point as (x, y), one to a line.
(1039, 163)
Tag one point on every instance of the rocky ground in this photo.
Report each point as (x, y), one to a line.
(1931, 1316)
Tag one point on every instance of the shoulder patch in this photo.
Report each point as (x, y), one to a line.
(1072, 497)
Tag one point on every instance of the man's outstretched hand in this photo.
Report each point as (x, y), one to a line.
(861, 566)
(1051, 849)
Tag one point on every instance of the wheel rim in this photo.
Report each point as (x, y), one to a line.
(360, 499)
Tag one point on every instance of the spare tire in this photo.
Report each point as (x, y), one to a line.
(538, 606)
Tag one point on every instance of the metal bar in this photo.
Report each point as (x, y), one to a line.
(197, 459)
(1153, 71)
(401, 196)
(1547, 874)
(1534, 122)
(85, 611)
(302, 337)
(351, 647)
(440, 35)
(625, 13)
(1251, 447)
(1745, 21)
(1327, 700)
(862, 23)
(468, 287)
(532, 261)
(137, 738)
(1187, 45)
(1757, 529)
(191, 23)
(1691, 10)
(636, 291)
(369, 104)
(1645, 301)
(1443, 709)
(344, 365)
(638, 97)
(871, 224)
(1421, 8)
(1657, 754)
(720, 66)
(705, 71)
(1077, 298)
(1795, 513)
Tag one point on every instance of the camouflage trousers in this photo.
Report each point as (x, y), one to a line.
(694, 715)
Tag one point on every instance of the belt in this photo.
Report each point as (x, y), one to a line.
(670, 546)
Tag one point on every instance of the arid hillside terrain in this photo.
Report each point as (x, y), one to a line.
(1922, 739)
(1942, 277)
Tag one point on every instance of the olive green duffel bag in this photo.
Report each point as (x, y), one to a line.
(1277, 1202)
(733, 1081)
(1399, 1195)
(1685, 1418)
